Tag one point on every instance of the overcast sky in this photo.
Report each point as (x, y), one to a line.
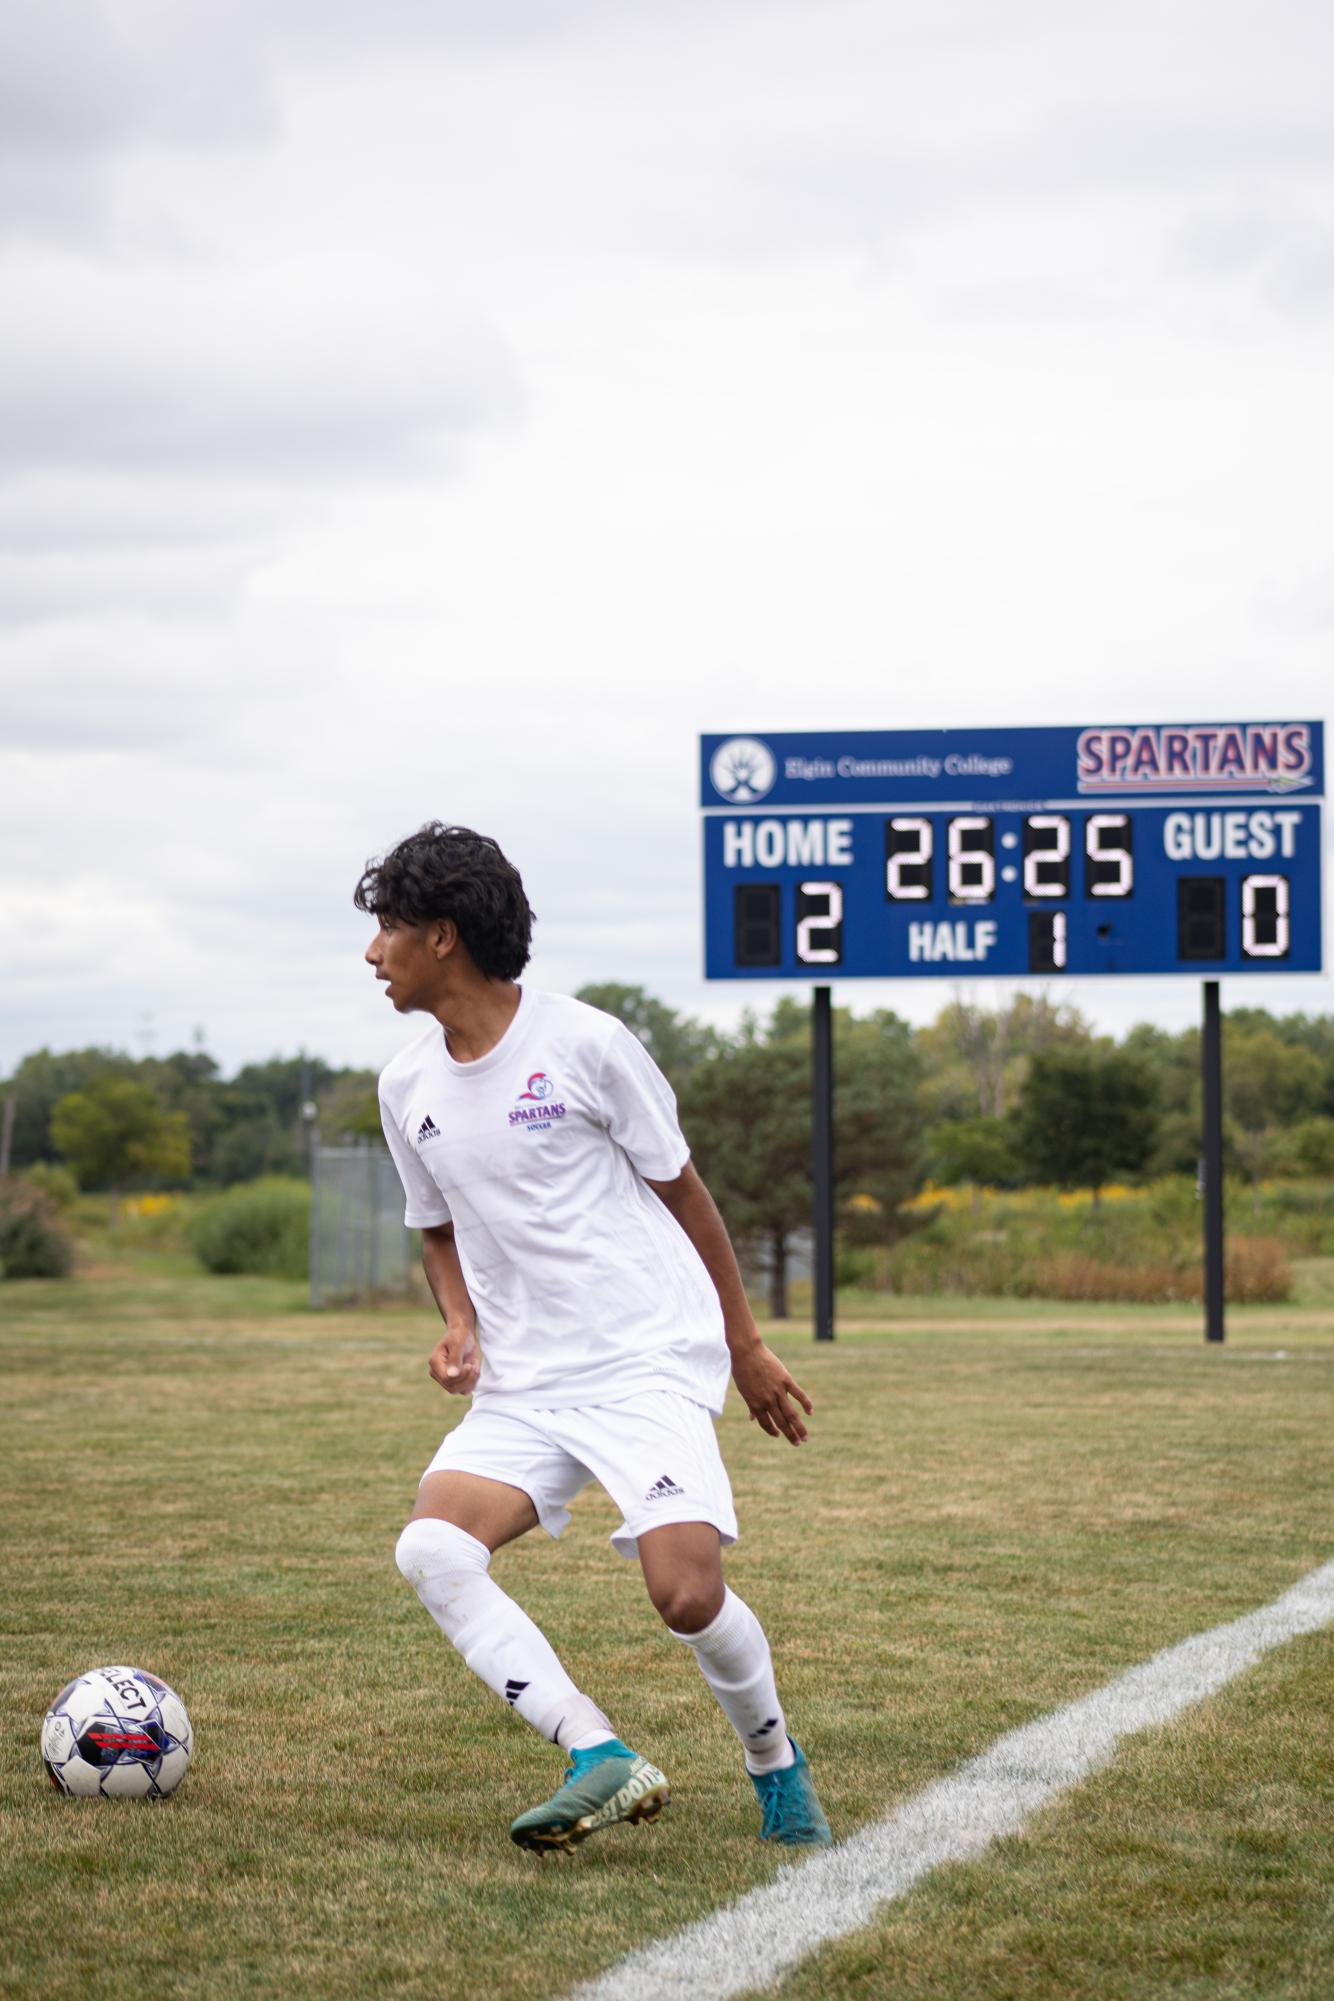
(452, 407)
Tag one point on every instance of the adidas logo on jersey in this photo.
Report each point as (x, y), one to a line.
(428, 1129)
(664, 1489)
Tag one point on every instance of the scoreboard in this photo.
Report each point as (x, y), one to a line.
(1165, 848)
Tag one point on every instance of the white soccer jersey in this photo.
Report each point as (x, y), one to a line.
(586, 1289)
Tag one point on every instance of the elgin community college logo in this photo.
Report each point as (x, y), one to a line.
(536, 1106)
(742, 770)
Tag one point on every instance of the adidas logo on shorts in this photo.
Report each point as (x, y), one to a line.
(664, 1489)
(428, 1129)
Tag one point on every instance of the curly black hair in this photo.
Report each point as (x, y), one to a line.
(451, 872)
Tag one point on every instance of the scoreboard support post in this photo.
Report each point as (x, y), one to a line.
(1211, 1177)
(822, 1158)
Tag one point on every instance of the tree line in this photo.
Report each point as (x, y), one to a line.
(175, 1120)
(1022, 1093)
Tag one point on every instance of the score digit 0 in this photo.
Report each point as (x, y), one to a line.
(1266, 926)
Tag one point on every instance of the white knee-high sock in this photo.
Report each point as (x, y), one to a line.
(734, 1659)
(448, 1570)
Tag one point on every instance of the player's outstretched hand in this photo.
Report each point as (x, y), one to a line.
(456, 1361)
(769, 1391)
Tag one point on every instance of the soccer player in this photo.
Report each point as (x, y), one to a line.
(593, 1309)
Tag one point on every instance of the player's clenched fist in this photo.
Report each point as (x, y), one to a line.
(456, 1361)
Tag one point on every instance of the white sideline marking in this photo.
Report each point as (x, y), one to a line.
(752, 1942)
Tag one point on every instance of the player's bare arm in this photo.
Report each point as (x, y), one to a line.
(455, 1360)
(765, 1385)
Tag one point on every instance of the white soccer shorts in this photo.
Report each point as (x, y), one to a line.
(656, 1454)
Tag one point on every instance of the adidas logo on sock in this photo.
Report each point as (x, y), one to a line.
(763, 1730)
(428, 1129)
(513, 1690)
(663, 1489)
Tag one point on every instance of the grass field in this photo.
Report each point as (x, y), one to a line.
(1001, 1509)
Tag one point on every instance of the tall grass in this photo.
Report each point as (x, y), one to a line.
(1140, 1244)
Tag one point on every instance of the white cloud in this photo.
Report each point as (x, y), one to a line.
(81, 82)
(451, 410)
(285, 372)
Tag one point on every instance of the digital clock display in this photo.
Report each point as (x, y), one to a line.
(1108, 873)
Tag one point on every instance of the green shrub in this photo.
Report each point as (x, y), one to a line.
(854, 1264)
(34, 1243)
(258, 1226)
(1302, 1213)
(56, 1182)
(978, 1149)
(1304, 1149)
(1139, 1244)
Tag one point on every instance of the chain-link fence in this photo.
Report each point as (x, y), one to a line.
(357, 1240)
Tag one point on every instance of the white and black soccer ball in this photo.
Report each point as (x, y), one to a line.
(117, 1731)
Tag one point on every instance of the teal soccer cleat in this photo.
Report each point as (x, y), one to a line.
(604, 1785)
(791, 1812)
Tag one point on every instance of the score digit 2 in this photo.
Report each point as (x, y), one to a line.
(757, 916)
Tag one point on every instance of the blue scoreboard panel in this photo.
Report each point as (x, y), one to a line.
(1190, 848)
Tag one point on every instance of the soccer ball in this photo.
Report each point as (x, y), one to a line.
(119, 1732)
